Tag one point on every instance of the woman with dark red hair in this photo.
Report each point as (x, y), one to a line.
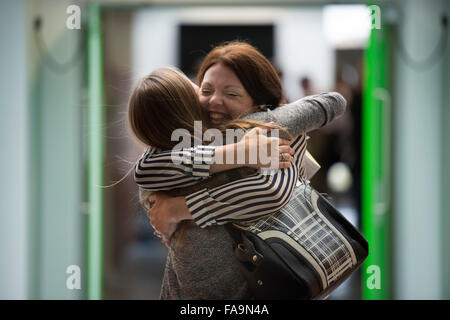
(236, 81)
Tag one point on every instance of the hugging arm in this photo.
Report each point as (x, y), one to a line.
(165, 170)
(156, 171)
(217, 200)
(306, 114)
(302, 116)
(210, 205)
(248, 198)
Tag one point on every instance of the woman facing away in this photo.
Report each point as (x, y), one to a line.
(202, 266)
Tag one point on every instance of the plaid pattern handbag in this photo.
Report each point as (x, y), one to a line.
(304, 251)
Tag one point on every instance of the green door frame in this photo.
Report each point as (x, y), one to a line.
(376, 164)
(95, 116)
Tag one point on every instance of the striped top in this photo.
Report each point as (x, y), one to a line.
(203, 265)
(244, 200)
(164, 170)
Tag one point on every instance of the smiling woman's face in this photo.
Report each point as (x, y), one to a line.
(223, 96)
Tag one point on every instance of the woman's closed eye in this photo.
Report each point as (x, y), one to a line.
(205, 92)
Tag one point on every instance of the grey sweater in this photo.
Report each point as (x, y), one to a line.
(200, 262)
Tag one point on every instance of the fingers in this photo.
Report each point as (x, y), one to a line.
(270, 125)
(283, 142)
(285, 157)
(282, 149)
(157, 232)
(256, 131)
(272, 152)
(286, 149)
(279, 161)
(286, 164)
(263, 131)
(163, 231)
(274, 156)
(164, 238)
(165, 241)
(157, 224)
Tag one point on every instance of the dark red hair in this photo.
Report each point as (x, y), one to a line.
(254, 70)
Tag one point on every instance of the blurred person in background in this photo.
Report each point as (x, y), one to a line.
(340, 142)
(307, 87)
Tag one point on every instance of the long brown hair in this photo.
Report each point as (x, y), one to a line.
(258, 76)
(163, 101)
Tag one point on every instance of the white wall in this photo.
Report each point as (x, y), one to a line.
(153, 40)
(41, 226)
(446, 176)
(300, 45)
(56, 135)
(302, 50)
(13, 141)
(418, 167)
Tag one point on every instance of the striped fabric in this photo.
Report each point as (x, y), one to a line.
(244, 200)
(165, 170)
(302, 226)
(247, 199)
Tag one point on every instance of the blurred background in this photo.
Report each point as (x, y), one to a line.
(64, 87)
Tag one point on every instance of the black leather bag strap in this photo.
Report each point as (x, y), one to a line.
(244, 250)
(235, 234)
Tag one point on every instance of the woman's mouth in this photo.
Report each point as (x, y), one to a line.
(216, 118)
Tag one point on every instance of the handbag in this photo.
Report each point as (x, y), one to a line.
(304, 251)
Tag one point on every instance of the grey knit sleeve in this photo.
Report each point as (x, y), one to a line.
(306, 114)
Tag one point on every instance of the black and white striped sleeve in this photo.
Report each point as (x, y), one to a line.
(249, 198)
(157, 171)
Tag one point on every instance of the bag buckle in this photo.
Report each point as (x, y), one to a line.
(248, 254)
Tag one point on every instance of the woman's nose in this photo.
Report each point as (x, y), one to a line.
(216, 100)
